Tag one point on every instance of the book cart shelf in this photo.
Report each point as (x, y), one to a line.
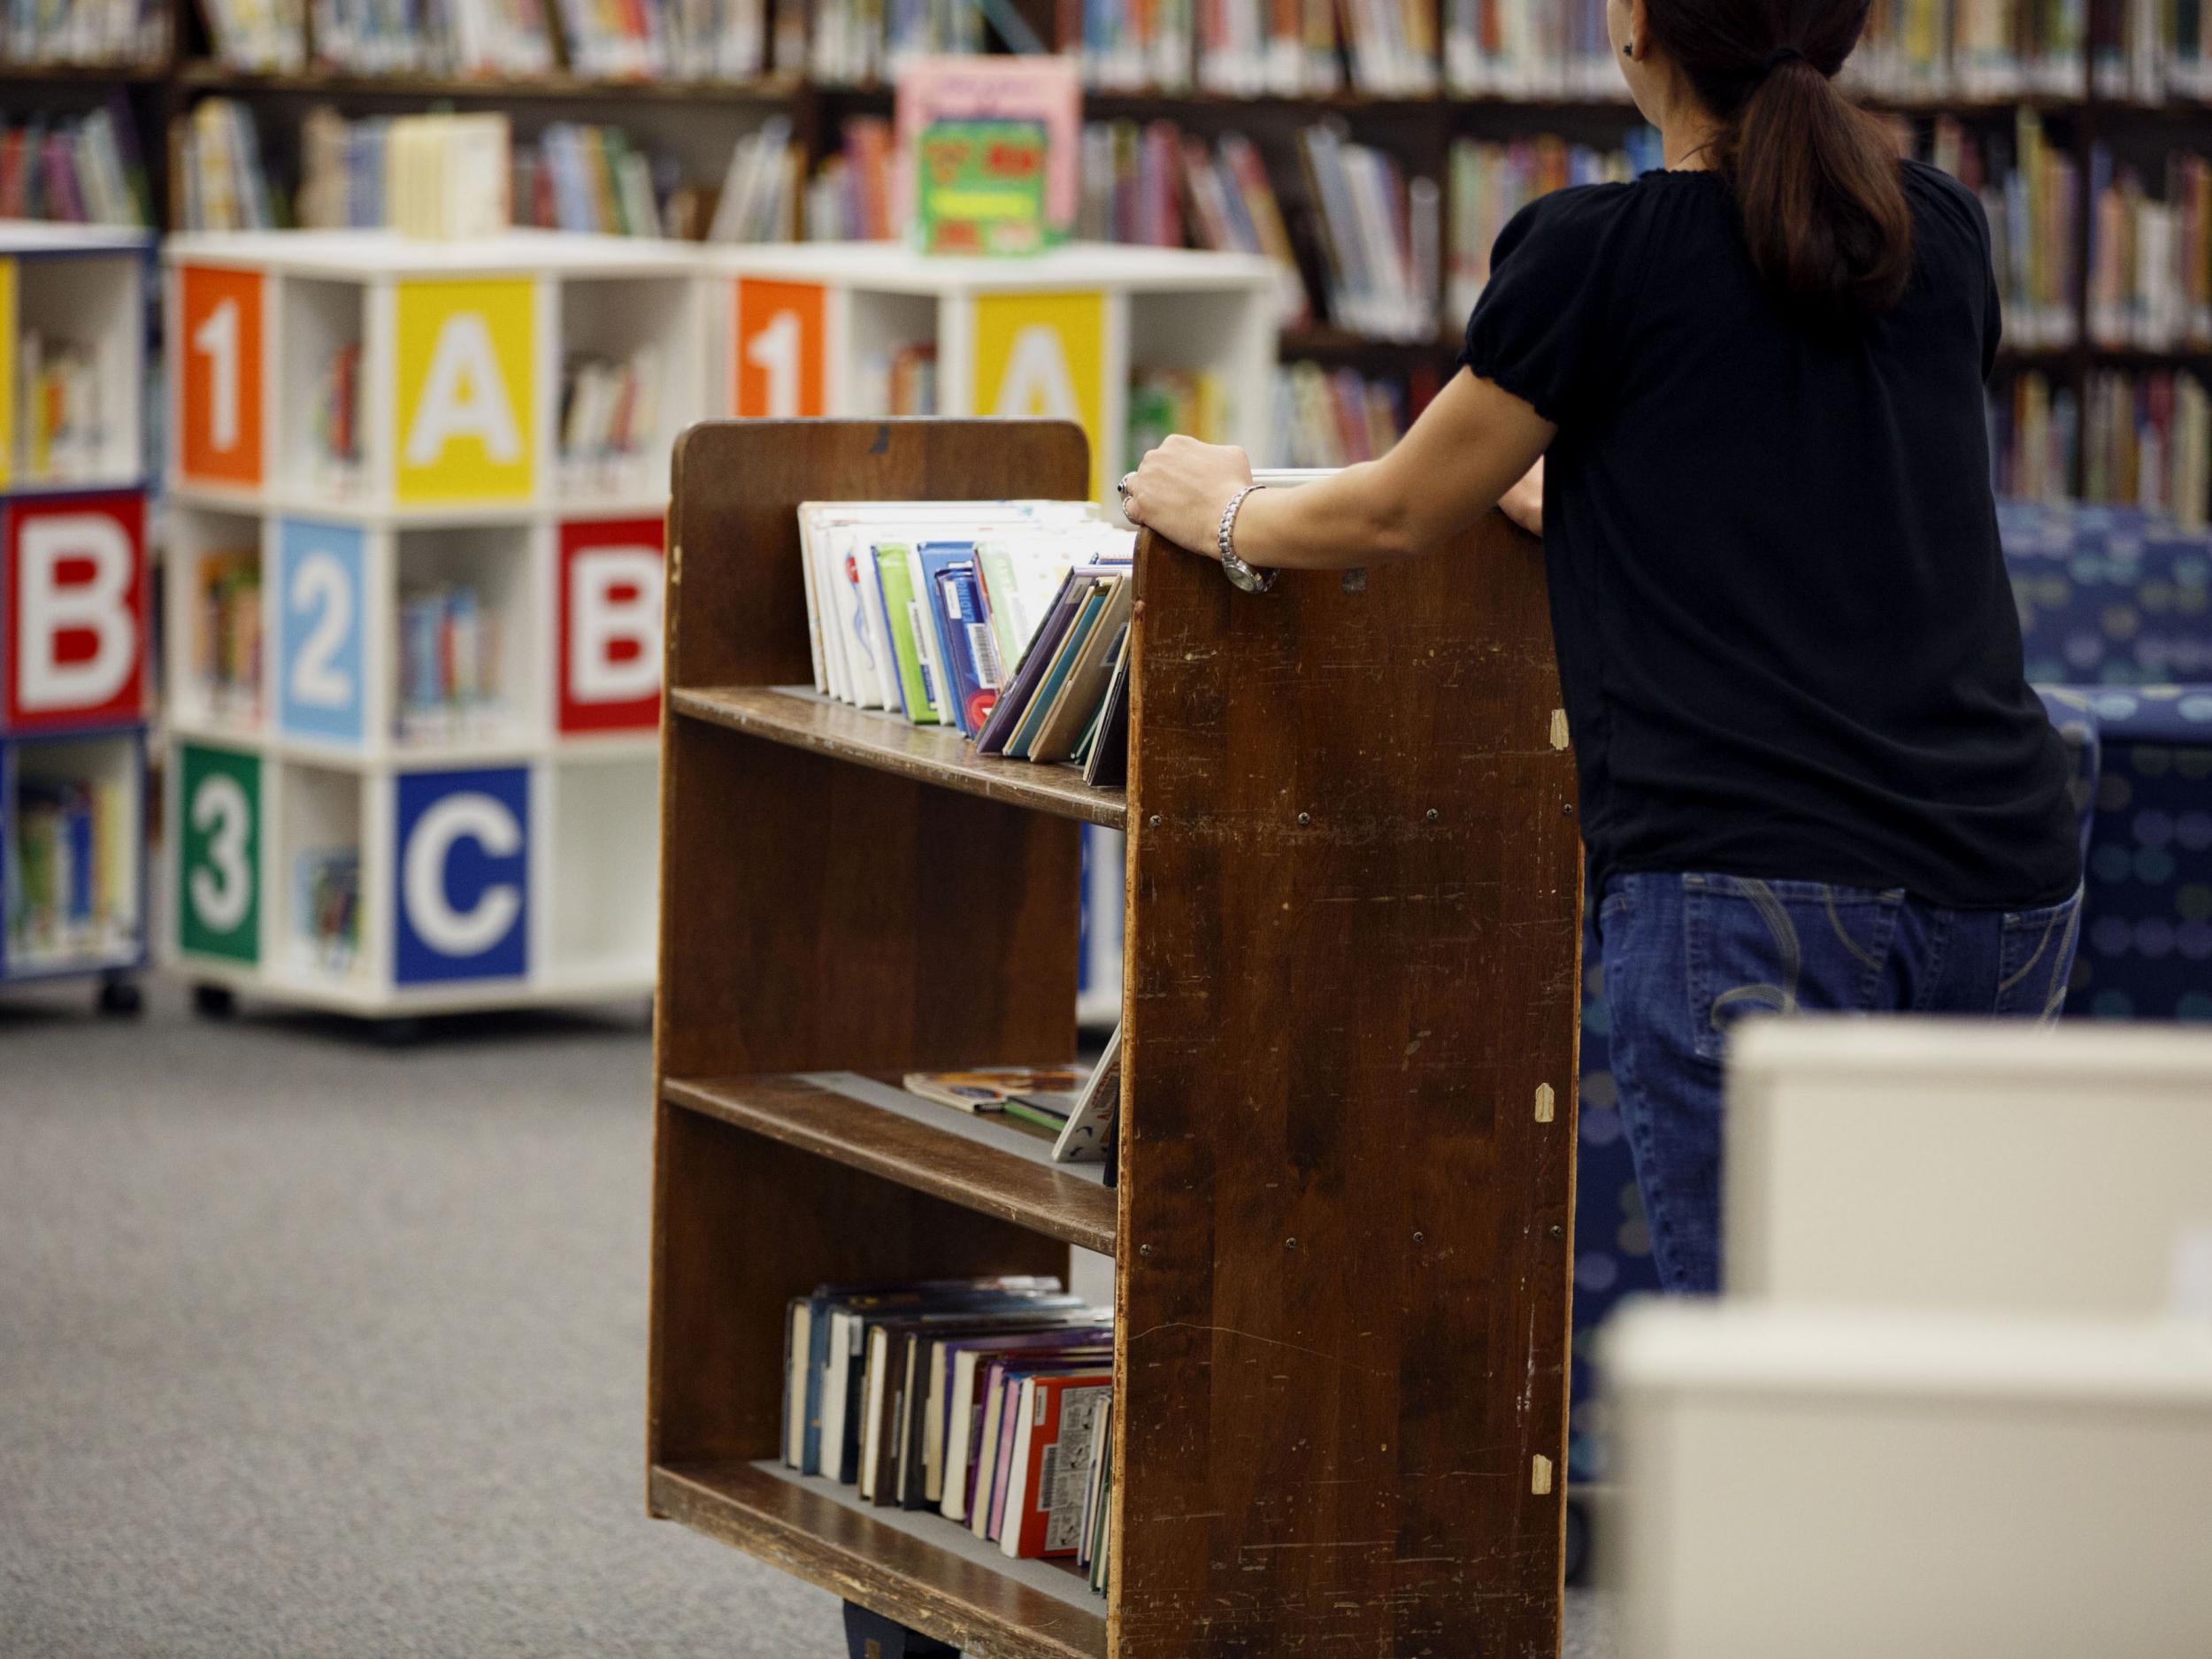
(413, 682)
(1341, 1227)
(73, 605)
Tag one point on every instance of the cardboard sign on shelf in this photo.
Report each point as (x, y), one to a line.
(218, 347)
(218, 862)
(1044, 355)
(461, 899)
(781, 349)
(75, 600)
(466, 426)
(321, 624)
(611, 598)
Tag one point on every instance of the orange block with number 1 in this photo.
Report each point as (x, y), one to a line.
(219, 416)
(779, 348)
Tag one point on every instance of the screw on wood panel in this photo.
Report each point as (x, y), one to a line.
(1567, 810)
(1418, 1236)
(1304, 819)
(1290, 1244)
(1154, 821)
(1557, 1231)
(1434, 815)
(1544, 1102)
(1144, 1250)
(1539, 1475)
(1559, 728)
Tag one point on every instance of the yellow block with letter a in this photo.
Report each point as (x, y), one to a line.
(466, 424)
(1044, 355)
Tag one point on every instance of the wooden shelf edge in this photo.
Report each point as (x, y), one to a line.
(986, 1614)
(1039, 1197)
(802, 719)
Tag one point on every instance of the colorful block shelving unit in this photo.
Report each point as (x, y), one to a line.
(837, 328)
(73, 605)
(415, 585)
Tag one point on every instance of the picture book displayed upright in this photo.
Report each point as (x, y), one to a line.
(414, 587)
(1130, 344)
(1326, 1410)
(73, 610)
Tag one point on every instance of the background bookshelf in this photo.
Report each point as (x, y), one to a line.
(2115, 86)
(1271, 1105)
(414, 572)
(73, 613)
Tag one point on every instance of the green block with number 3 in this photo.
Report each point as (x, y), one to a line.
(218, 896)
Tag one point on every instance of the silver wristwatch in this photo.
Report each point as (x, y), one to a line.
(1252, 581)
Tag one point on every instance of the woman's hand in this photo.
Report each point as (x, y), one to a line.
(1181, 488)
(1523, 503)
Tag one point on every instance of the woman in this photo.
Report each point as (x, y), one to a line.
(1812, 775)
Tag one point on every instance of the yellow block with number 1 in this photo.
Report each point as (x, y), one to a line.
(466, 409)
(1044, 355)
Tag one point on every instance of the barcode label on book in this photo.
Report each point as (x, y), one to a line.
(984, 649)
(1048, 1481)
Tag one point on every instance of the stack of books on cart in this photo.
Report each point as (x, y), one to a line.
(988, 1400)
(1007, 621)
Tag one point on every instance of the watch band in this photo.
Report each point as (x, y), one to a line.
(1241, 574)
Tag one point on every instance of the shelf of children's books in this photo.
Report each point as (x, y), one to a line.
(802, 719)
(927, 1572)
(211, 76)
(868, 1122)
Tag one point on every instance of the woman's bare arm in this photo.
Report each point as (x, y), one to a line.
(1471, 446)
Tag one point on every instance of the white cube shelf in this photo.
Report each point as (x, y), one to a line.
(1913, 1163)
(73, 612)
(812, 328)
(1835, 1484)
(417, 593)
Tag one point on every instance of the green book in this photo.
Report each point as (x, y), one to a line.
(998, 588)
(915, 691)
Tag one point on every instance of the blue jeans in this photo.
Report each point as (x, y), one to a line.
(1687, 955)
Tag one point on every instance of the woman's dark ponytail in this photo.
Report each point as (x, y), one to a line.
(1816, 177)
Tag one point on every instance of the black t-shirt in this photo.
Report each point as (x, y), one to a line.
(1788, 645)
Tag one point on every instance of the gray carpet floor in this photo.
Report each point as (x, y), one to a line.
(312, 1347)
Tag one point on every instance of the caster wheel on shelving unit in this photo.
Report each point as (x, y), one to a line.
(1578, 1559)
(214, 1001)
(121, 998)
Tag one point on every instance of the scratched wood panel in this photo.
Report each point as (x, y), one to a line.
(1354, 925)
(816, 914)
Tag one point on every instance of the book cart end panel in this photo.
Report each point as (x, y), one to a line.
(1354, 930)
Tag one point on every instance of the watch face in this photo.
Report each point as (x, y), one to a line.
(1252, 581)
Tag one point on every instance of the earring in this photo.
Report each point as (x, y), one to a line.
(1628, 52)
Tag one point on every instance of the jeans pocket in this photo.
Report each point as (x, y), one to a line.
(2035, 957)
(1767, 947)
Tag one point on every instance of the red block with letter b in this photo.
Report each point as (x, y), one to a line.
(612, 587)
(74, 604)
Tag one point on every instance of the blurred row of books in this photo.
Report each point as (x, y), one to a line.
(71, 879)
(2144, 439)
(2150, 254)
(60, 431)
(610, 417)
(326, 908)
(78, 169)
(449, 664)
(227, 635)
(105, 33)
(616, 40)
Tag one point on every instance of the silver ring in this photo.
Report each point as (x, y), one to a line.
(1121, 486)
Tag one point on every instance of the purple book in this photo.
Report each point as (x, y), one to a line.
(1049, 1343)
